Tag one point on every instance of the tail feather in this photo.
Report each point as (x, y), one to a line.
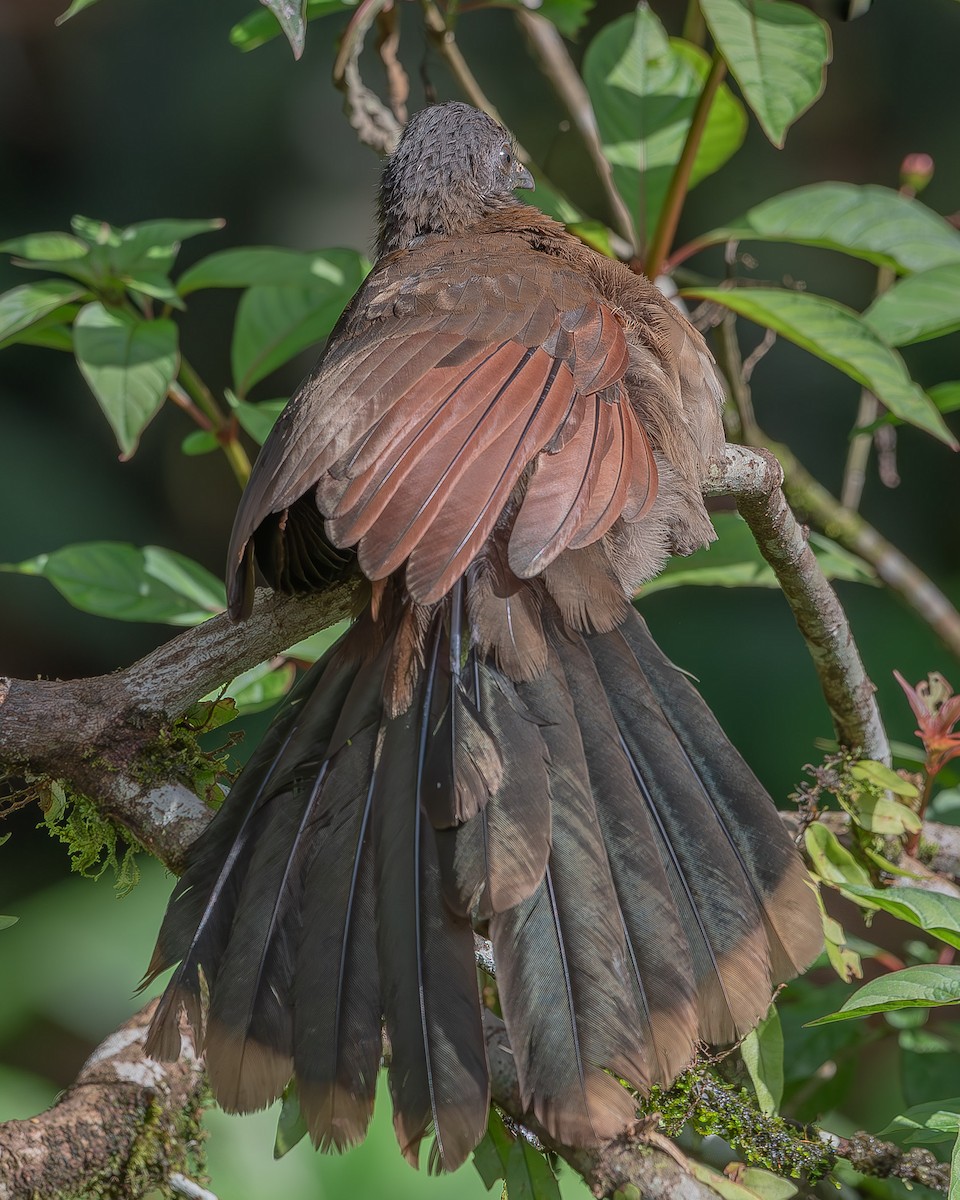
(723, 925)
(778, 880)
(659, 952)
(562, 959)
(438, 1069)
(492, 863)
(336, 988)
(197, 924)
(639, 888)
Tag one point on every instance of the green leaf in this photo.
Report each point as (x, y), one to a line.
(275, 323)
(883, 776)
(75, 7)
(317, 644)
(569, 16)
(200, 441)
(129, 364)
(148, 248)
(734, 560)
(840, 337)
(936, 1121)
(52, 331)
(113, 579)
(833, 861)
(260, 687)
(913, 987)
(251, 266)
(29, 303)
(747, 1183)
(291, 1127)
(493, 1152)
(256, 419)
(886, 817)
(6, 922)
(644, 88)
(870, 222)
(261, 27)
(937, 913)
(762, 1054)
(919, 307)
(292, 18)
(529, 1176)
(778, 54)
(946, 396)
(48, 248)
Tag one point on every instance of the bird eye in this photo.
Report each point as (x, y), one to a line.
(506, 158)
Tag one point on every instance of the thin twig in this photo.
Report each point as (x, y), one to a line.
(679, 185)
(374, 123)
(556, 64)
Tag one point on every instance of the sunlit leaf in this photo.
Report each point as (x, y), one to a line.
(871, 222)
(47, 247)
(261, 687)
(876, 772)
(29, 303)
(127, 583)
(734, 560)
(888, 818)
(250, 266)
(262, 26)
(6, 922)
(936, 1121)
(644, 88)
(936, 912)
(275, 323)
(51, 331)
(840, 337)
(750, 1183)
(832, 861)
(919, 307)
(778, 54)
(913, 987)
(762, 1054)
(129, 364)
(317, 644)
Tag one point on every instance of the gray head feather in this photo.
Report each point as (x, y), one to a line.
(452, 165)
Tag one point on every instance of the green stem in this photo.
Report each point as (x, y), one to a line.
(666, 229)
(694, 26)
(221, 425)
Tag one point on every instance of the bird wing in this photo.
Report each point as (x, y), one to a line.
(456, 375)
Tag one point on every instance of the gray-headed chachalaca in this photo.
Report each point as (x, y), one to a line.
(508, 434)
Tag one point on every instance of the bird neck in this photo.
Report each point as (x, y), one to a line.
(408, 214)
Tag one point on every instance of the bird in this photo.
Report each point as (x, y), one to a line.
(505, 436)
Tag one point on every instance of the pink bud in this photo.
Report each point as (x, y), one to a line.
(916, 171)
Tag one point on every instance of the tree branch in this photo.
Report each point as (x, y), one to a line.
(127, 1125)
(101, 735)
(753, 477)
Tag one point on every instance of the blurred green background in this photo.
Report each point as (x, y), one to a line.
(141, 110)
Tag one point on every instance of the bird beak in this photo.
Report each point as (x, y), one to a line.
(522, 178)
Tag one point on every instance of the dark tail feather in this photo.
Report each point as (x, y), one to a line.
(336, 991)
(562, 958)
(778, 881)
(197, 924)
(438, 1068)
(492, 863)
(711, 887)
(659, 951)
